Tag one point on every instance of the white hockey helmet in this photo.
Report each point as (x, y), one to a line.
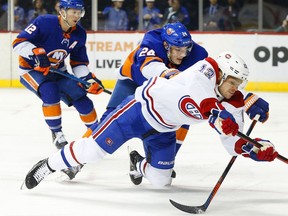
(232, 65)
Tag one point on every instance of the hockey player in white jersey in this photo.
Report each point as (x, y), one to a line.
(206, 91)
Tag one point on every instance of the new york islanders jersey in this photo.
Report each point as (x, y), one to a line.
(150, 58)
(45, 31)
(187, 99)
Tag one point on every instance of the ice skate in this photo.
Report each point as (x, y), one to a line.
(59, 139)
(71, 172)
(135, 176)
(38, 172)
(173, 174)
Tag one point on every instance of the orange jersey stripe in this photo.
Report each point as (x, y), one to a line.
(181, 133)
(23, 63)
(126, 68)
(149, 59)
(18, 40)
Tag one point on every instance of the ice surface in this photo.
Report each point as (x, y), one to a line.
(104, 188)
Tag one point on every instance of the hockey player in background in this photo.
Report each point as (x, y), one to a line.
(206, 91)
(162, 52)
(45, 43)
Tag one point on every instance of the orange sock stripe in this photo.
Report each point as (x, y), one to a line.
(53, 110)
(72, 152)
(87, 133)
(181, 133)
(90, 118)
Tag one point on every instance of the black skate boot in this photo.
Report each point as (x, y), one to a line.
(71, 172)
(135, 176)
(59, 139)
(173, 174)
(38, 172)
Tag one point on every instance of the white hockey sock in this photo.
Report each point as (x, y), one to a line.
(84, 150)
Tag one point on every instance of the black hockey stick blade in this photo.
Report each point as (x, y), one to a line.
(189, 209)
(201, 209)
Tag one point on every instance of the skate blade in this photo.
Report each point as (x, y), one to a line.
(62, 177)
(23, 186)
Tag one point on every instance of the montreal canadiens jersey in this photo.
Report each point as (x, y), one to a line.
(45, 31)
(151, 50)
(187, 99)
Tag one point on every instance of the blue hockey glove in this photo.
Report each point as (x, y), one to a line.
(254, 105)
(42, 63)
(169, 73)
(223, 121)
(94, 87)
(265, 153)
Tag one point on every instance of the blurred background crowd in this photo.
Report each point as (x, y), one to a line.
(126, 15)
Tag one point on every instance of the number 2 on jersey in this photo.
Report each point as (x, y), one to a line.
(30, 28)
(147, 52)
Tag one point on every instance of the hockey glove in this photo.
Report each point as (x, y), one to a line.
(169, 73)
(42, 61)
(255, 105)
(94, 87)
(223, 121)
(265, 153)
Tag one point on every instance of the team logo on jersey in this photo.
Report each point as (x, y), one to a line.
(189, 107)
(57, 56)
(109, 141)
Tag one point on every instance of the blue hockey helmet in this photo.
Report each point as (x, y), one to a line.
(176, 34)
(74, 4)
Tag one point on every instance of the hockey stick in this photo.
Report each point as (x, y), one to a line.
(201, 209)
(53, 70)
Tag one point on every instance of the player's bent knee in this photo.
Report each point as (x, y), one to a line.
(87, 150)
(159, 178)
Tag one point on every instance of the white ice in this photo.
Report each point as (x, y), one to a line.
(104, 189)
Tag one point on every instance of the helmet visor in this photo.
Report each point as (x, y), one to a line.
(75, 12)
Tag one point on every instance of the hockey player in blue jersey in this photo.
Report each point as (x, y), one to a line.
(205, 92)
(162, 52)
(45, 43)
